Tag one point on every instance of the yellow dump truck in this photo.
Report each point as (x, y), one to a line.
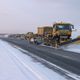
(64, 30)
(56, 34)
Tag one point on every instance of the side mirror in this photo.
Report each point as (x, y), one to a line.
(74, 30)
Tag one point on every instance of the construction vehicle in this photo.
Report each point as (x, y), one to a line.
(59, 33)
(54, 35)
(63, 30)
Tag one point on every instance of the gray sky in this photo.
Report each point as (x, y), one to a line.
(21, 16)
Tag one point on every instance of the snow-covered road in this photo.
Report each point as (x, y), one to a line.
(14, 65)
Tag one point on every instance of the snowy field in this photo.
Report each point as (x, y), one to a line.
(18, 66)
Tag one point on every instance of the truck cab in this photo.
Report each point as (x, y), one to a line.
(63, 30)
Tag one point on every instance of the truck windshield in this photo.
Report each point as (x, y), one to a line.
(63, 27)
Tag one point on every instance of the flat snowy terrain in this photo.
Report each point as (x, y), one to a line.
(14, 65)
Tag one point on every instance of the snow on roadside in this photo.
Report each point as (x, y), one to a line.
(17, 66)
(8, 69)
(72, 47)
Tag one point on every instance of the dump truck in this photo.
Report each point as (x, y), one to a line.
(63, 30)
(57, 34)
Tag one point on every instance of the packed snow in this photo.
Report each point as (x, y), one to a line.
(72, 47)
(18, 66)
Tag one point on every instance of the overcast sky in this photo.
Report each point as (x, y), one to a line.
(21, 16)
